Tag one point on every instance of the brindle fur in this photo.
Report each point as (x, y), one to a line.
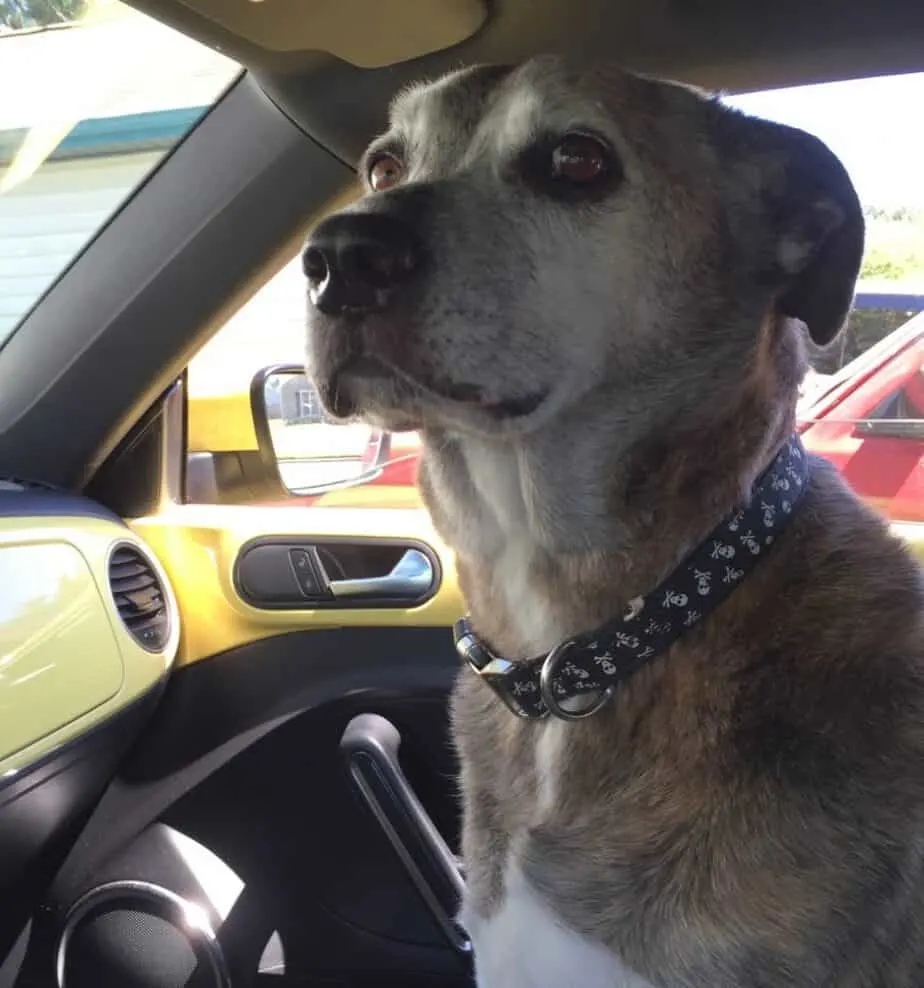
(749, 810)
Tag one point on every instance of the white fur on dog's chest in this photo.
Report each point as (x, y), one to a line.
(523, 945)
(528, 612)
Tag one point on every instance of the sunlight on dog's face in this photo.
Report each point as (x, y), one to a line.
(538, 235)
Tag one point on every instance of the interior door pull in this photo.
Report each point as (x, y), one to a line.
(411, 578)
(370, 745)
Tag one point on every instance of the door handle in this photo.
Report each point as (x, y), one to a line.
(278, 572)
(410, 579)
(370, 746)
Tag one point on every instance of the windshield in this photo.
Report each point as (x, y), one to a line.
(95, 95)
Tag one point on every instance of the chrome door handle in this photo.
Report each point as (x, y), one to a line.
(411, 578)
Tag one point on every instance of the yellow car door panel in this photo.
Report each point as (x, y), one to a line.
(226, 562)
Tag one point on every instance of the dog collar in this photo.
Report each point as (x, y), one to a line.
(592, 666)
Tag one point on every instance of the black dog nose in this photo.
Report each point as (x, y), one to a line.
(354, 261)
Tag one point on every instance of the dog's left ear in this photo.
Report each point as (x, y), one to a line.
(815, 221)
(821, 247)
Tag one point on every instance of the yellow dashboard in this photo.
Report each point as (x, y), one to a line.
(88, 622)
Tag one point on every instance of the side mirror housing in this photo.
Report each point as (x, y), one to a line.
(310, 453)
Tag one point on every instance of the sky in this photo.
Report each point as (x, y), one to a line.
(875, 126)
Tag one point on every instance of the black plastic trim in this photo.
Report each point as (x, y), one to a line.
(213, 710)
(329, 603)
(47, 504)
(36, 832)
(266, 719)
(370, 746)
(54, 761)
(907, 429)
(148, 467)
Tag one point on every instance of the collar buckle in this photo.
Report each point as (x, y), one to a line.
(495, 671)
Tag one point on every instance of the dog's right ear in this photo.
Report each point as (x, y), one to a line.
(809, 209)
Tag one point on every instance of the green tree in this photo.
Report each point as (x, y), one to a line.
(20, 14)
(894, 244)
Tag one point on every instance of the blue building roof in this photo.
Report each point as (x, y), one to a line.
(156, 130)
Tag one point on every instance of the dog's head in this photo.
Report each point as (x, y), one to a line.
(537, 237)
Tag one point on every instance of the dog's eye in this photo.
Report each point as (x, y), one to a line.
(579, 159)
(385, 172)
(574, 167)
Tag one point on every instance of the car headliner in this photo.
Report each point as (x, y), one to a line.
(230, 204)
(732, 45)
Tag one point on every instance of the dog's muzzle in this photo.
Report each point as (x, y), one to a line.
(354, 262)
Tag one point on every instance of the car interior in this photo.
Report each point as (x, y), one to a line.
(235, 768)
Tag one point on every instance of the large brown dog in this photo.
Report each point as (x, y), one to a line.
(588, 291)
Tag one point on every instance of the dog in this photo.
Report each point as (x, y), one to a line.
(590, 292)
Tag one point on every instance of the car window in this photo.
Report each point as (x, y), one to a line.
(864, 121)
(95, 95)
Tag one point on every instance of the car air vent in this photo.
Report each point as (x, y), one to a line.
(139, 597)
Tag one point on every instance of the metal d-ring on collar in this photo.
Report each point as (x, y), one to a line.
(500, 673)
(592, 666)
(547, 687)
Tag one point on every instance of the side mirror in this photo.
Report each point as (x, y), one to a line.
(311, 453)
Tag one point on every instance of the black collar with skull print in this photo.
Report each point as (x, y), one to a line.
(578, 676)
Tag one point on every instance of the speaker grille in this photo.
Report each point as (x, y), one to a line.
(131, 934)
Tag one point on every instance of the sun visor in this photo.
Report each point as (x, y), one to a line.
(367, 33)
